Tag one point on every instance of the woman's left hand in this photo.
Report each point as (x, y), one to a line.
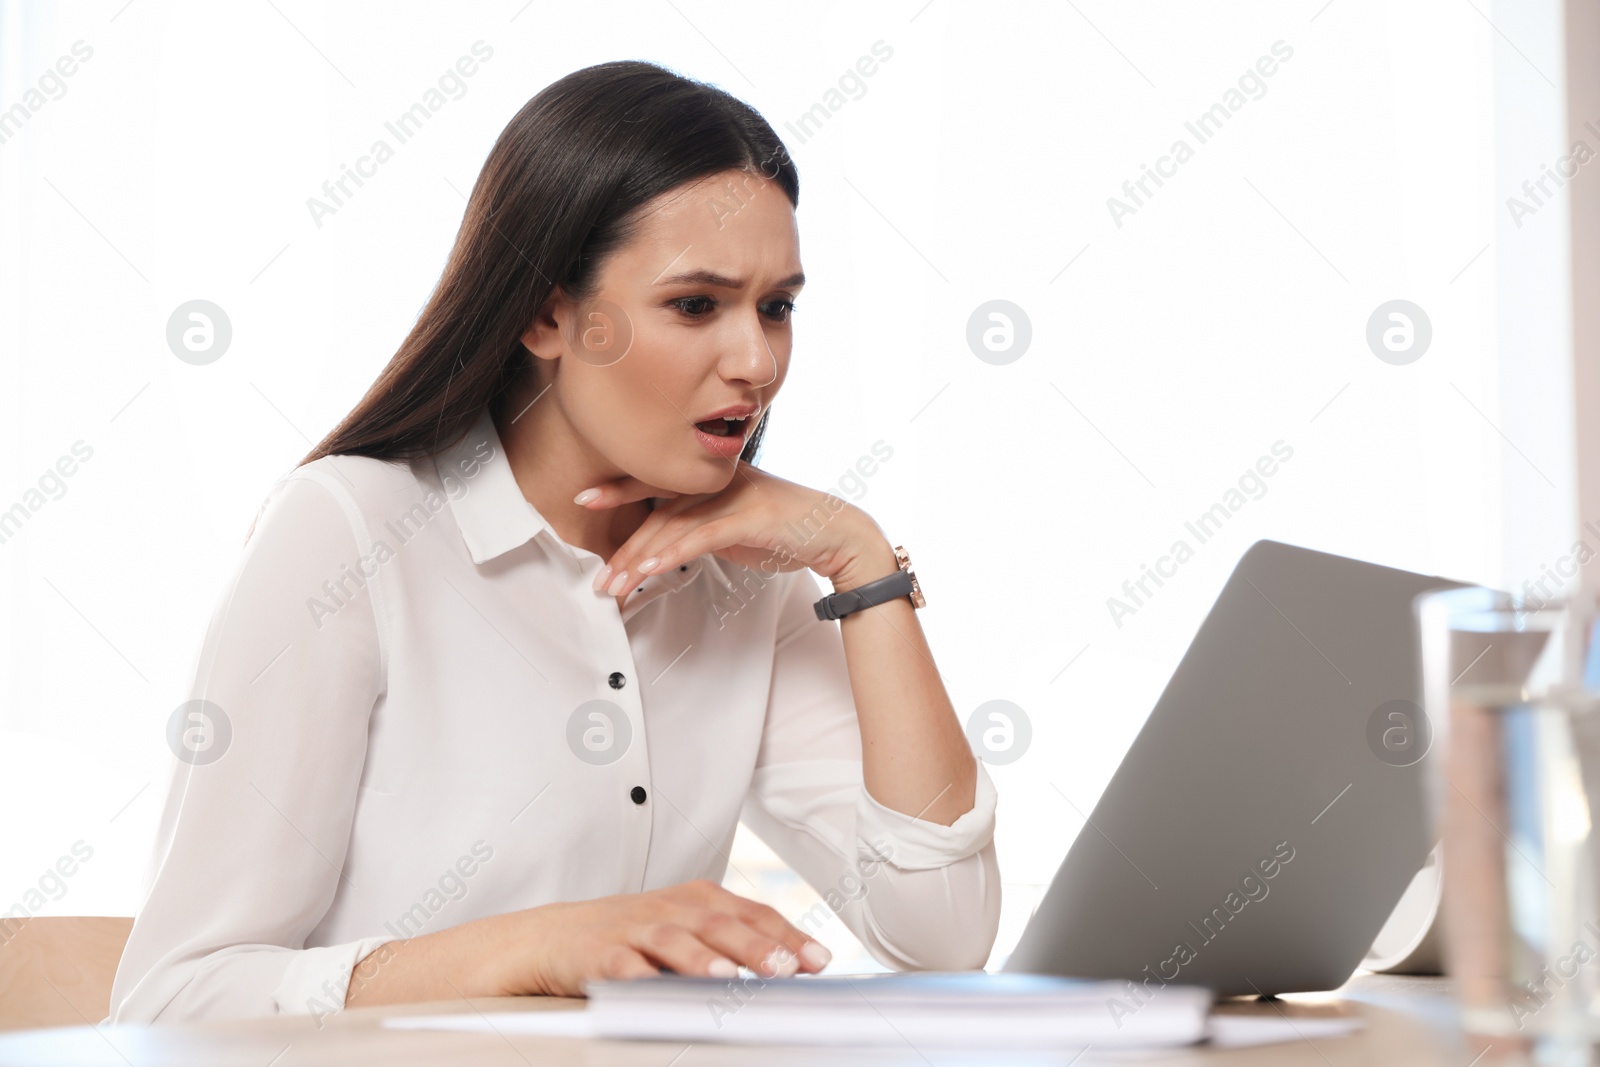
(759, 520)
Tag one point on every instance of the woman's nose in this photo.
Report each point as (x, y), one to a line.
(751, 357)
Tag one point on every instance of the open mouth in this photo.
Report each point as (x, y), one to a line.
(723, 427)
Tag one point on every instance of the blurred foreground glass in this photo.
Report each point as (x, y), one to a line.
(1510, 689)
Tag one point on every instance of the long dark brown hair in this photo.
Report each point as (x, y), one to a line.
(559, 191)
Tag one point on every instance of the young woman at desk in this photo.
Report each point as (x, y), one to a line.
(512, 651)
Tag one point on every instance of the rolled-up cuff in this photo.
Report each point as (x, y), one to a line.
(912, 844)
(318, 979)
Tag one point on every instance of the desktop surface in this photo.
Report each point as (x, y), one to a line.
(1408, 1020)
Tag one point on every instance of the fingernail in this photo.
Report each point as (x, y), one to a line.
(586, 496)
(648, 565)
(600, 578)
(815, 955)
(617, 583)
(722, 968)
(781, 963)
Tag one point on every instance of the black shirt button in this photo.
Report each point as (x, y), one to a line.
(617, 680)
(638, 794)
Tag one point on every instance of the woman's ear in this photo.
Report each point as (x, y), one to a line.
(543, 337)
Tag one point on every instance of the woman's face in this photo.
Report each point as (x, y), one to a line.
(690, 318)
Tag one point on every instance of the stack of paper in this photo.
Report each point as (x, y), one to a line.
(922, 1009)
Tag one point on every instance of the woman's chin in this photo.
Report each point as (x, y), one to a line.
(710, 476)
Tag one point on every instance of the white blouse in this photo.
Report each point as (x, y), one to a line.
(419, 713)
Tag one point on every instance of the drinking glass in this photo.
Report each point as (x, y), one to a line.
(1512, 692)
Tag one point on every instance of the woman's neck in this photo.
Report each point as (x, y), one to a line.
(552, 464)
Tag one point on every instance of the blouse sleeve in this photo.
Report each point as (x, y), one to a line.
(918, 894)
(258, 811)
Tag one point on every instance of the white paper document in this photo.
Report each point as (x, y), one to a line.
(1236, 1031)
(923, 1009)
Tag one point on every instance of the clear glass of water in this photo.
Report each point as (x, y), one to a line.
(1512, 691)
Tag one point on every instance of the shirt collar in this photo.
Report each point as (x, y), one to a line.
(495, 517)
(493, 514)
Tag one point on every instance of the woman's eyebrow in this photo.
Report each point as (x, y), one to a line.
(711, 277)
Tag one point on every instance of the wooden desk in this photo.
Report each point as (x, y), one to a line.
(1409, 1021)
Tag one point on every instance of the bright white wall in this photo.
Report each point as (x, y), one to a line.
(1168, 352)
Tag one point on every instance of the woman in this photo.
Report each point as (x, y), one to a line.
(512, 651)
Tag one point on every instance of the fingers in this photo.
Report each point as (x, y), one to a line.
(673, 945)
(776, 944)
(670, 543)
(808, 953)
(621, 961)
(733, 939)
(697, 928)
(621, 491)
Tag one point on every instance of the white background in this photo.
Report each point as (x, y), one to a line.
(1167, 354)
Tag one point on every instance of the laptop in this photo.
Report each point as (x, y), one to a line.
(1269, 815)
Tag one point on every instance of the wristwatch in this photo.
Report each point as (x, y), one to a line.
(902, 582)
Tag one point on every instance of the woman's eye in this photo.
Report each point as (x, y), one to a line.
(698, 307)
(694, 306)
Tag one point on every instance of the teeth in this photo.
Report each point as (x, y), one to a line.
(730, 418)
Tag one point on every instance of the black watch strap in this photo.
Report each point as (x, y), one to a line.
(880, 591)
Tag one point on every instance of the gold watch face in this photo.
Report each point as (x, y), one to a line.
(904, 560)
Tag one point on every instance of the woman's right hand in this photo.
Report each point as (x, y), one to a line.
(697, 928)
